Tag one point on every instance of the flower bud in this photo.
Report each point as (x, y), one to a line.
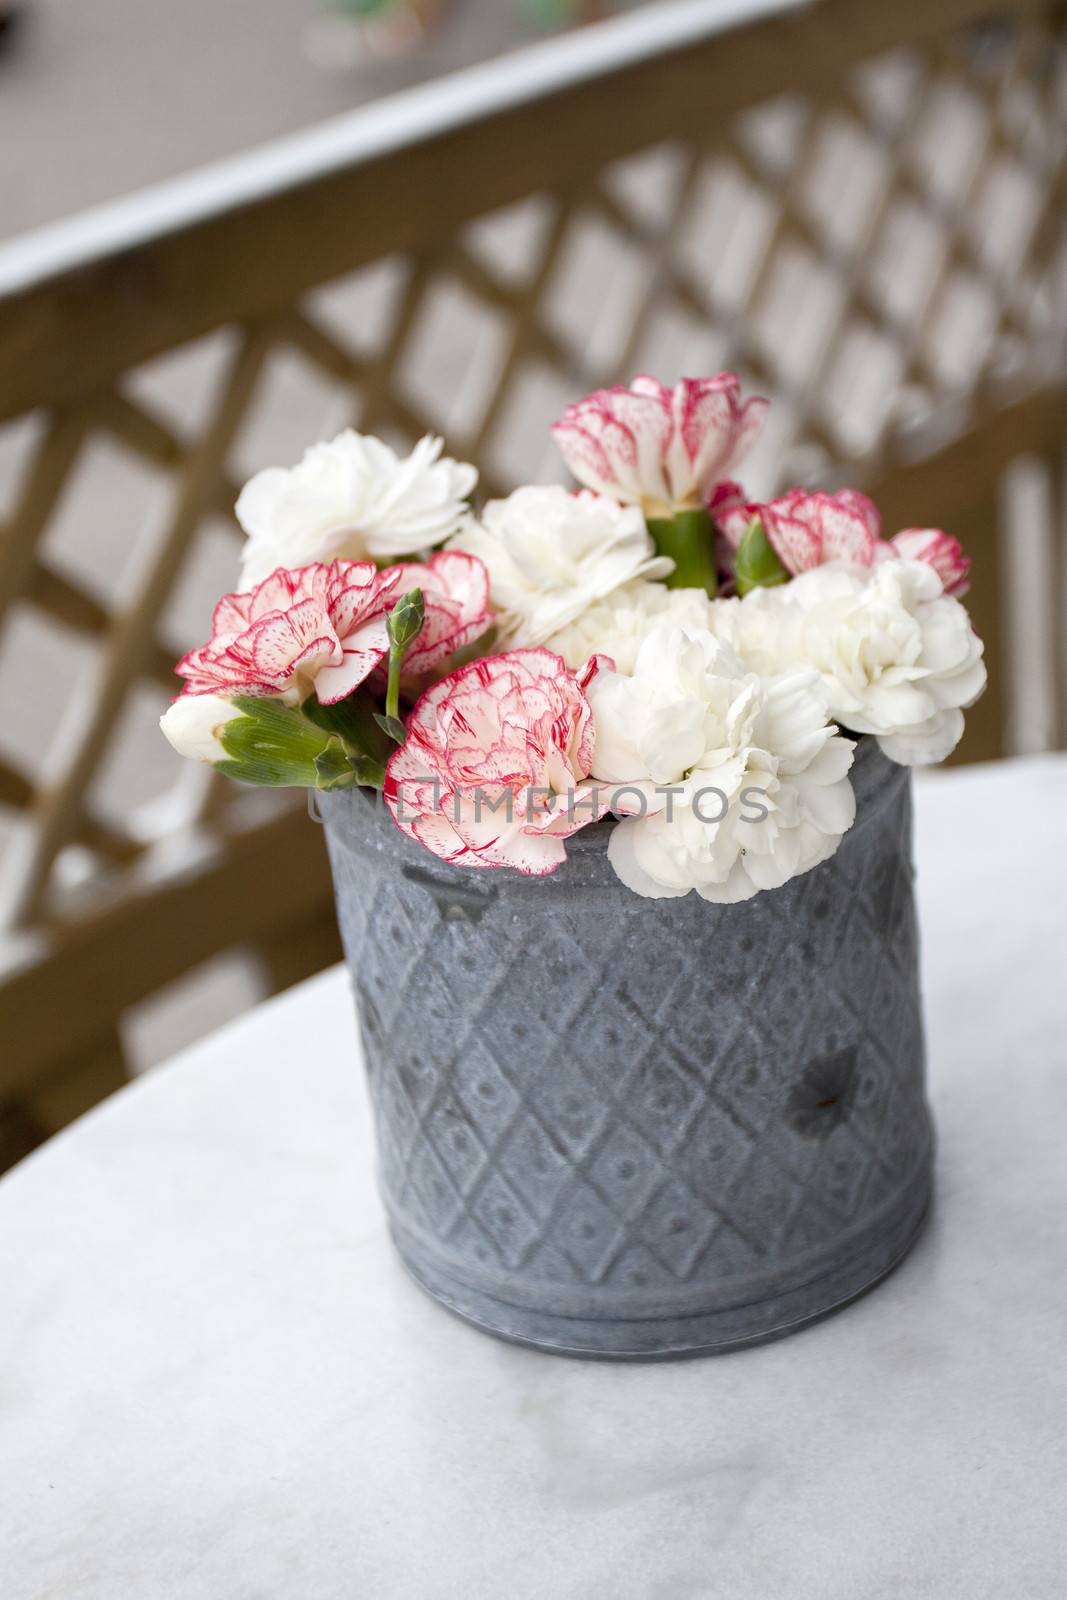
(275, 744)
(193, 723)
(406, 619)
(756, 565)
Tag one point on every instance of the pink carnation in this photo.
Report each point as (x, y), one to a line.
(660, 448)
(939, 550)
(807, 530)
(492, 755)
(318, 627)
(455, 588)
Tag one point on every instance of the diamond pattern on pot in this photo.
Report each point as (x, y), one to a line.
(587, 1088)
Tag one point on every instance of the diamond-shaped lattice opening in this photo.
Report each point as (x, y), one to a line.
(647, 185)
(47, 674)
(360, 309)
(797, 313)
(773, 462)
(451, 358)
(773, 133)
(961, 333)
(210, 569)
(107, 527)
(520, 448)
(861, 385)
(907, 257)
(136, 766)
(725, 233)
(13, 826)
(886, 87)
(180, 387)
(1003, 214)
(593, 294)
(510, 243)
(294, 404)
(947, 141)
(18, 442)
(844, 182)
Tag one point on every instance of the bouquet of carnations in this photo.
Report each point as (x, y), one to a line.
(653, 647)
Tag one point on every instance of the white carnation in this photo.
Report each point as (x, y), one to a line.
(192, 724)
(352, 498)
(551, 555)
(898, 657)
(760, 778)
(617, 625)
(755, 628)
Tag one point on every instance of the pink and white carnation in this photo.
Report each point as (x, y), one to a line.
(808, 530)
(495, 771)
(756, 772)
(550, 555)
(321, 628)
(455, 590)
(939, 550)
(660, 448)
(351, 498)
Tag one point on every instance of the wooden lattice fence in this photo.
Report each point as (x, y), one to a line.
(859, 206)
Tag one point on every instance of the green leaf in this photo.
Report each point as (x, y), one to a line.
(368, 772)
(272, 744)
(333, 767)
(756, 565)
(355, 719)
(392, 726)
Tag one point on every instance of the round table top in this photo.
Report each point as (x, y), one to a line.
(216, 1380)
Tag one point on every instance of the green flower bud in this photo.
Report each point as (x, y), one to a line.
(406, 620)
(756, 564)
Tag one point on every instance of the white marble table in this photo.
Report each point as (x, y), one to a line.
(217, 1384)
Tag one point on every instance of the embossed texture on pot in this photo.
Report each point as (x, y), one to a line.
(612, 1126)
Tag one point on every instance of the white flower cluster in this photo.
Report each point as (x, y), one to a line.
(898, 658)
(746, 778)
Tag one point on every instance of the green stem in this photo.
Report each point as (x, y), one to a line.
(689, 540)
(392, 692)
(405, 625)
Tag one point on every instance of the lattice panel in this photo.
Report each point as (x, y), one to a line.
(888, 262)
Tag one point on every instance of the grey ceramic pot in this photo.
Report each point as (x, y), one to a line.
(612, 1126)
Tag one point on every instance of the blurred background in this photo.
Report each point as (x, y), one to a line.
(102, 97)
(227, 231)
